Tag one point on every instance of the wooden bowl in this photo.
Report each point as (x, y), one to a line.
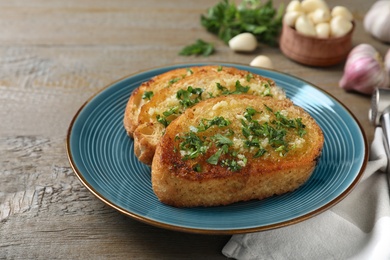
(314, 51)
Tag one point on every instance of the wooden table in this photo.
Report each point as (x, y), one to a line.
(53, 56)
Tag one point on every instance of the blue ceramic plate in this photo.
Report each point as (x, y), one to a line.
(102, 157)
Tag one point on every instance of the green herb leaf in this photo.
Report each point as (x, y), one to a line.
(197, 168)
(213, 159)
(219, 121)
(174, 80)
(190, 96)
(249, 76)
(200, 47)
(147, 95)
(240, 89)
(192, 145)
(232, 164)
(163, 119)
(260, 152)
(221, 140)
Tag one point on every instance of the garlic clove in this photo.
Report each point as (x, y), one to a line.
(342, 11)
(364, 71)
(262, 61)
(291, 17)
(323, 30)
(245, 42)
(294, 6)
(319, 16)
(310, 6)
(340, 26)
(304, 26)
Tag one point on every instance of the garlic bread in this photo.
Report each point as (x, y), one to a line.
(235, 148)
(208, 82)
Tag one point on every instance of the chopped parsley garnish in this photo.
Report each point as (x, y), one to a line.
(197, 168)
(240, 89)
(249, 77)
(221, 140)
(233, 164)
(200, 47)
(257, 138)
(213, 159)
(147, 95)
(192, 146)
(174, 80)
(217, 121)
(186, 97)
(260, 152)
(283, 121)
(267, 91)
(163, 119)
(223, 143)
(276, 133)
(250, 112)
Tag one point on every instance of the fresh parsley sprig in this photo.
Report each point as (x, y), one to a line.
(227, 20)
(200, 47)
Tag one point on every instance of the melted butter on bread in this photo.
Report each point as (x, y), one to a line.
(226, 168)
(208, 82)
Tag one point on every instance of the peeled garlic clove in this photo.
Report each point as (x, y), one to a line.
(309, 6)
(342, 11)
(245, 42)
(340, 26)
(294, 6)
(320, 16)
(291, 17)
(262, 61)
(364, 71)
(305, 26)
(323, 30)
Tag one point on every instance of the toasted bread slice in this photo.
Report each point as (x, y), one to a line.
(208, 82)
(145, 92)
(235, 148)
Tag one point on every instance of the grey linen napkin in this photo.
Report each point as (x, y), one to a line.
(358, 227)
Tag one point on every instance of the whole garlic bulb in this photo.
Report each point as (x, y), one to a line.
(364, 70)
(377, 20)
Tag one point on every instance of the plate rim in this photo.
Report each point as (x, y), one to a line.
(173, 227)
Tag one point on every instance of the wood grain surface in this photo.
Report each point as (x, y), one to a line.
(54, 55)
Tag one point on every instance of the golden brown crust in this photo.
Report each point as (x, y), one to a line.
(155, 84)
(206, 78)
(176, 182)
